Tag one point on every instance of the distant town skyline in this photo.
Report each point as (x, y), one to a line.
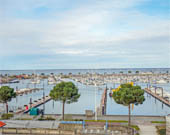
(65, 34)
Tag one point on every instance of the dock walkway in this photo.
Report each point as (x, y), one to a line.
(160, 98)
(27, 90)
(34, 105)
(101, 110)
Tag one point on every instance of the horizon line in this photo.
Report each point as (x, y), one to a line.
(85, 68)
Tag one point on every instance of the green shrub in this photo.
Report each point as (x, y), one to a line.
(50, 118)
(135, 127)
(6, 116)
(46, 118)
(162, 131)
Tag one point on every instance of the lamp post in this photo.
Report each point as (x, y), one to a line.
(95, 103)
(43, 99)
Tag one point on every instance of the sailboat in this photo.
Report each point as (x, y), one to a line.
(35, 80)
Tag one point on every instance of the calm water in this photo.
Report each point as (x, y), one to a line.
(87, 99)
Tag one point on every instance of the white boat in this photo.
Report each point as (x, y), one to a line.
(24, 89)
(37, 81)
(161, 81)
(51, 83)
(51, 80)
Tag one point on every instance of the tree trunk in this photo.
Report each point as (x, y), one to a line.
(129, 116)
(63, 109)
(6, 107)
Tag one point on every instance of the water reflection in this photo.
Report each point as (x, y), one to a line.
(151, 106)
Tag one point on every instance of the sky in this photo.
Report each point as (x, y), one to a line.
(80, 34)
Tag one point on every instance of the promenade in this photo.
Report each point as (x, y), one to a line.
(43, 127)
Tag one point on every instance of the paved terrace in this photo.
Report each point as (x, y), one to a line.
(31, 124)
(144, 122)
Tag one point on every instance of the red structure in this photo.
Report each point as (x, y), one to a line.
(2, 124)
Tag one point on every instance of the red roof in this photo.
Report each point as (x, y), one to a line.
(2, 124)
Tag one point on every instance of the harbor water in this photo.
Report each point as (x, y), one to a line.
(151, 106)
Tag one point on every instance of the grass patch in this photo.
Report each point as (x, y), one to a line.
(118, 121)
(110, 121)
(161, 130)
(6, 116)
(159, 122)
(72, 120)
(24, 119)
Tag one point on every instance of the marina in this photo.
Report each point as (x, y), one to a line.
(92, 85)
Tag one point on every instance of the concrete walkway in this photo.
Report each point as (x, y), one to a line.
(147, 130)
(31, 124)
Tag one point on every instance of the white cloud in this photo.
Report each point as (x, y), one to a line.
(96, 29)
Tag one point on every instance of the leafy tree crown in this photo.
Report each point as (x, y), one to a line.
(66, 92)
(129, 94)
(6, 94)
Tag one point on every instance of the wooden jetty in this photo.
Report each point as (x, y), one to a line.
(155, 95)
(101, 110)
(34, 105)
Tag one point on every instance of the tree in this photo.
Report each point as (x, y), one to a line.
(6, 94)
(66, 92)
(121, 72)
(137, 72)
(70, 74)
(61, 74)
(127, 95)
(129, 72)
(42, 74)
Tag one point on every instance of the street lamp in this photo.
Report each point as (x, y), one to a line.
(95, 103)
(43, 99)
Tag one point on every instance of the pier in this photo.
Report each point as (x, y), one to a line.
(155, 95)
(26, 91)
(101, 110)
(34, 105)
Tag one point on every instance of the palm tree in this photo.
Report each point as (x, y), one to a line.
(66, 92)
(127, 95)
(6, 94)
